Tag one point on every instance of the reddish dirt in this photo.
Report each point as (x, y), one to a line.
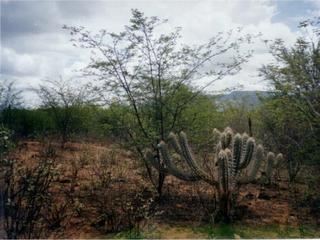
(182, 204)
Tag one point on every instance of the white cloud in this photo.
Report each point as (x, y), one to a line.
(20, 64)
(36, 55)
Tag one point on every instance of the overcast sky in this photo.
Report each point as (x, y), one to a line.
(35, 47)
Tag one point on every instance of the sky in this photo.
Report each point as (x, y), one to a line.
(34, 46)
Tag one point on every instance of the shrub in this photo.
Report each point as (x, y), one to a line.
(26, 194)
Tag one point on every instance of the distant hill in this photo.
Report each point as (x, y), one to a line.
(250, 98)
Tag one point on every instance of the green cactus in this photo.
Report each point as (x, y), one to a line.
(269, 167)
(273, 162)
(236, 157)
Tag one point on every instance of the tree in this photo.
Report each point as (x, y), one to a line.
(65, 102)
(287, 130)
(295, 76)
(296, 72)
(10, 96)
(151, 72)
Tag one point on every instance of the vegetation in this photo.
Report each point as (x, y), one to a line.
(103, 160)
(152, 74)
(295, 76)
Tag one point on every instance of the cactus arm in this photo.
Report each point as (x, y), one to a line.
(269, 168)
(216, 136)
(226, 138)
(223, 171)
(231, 169)
(244, 140)
(188, 156)
(149, 157)
(223, 140)
(234, 160)
(172, 169)
(175, 143)
(217, 149)
(247, 154)
(256, 165)
(279, 160)
(237, 141)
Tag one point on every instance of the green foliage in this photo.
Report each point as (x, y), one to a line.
(27, 122)
(232, 231)
(280, 126)
(114, 122)
(85, 122)
(199, 118)
(296, 108)
(130, 234)
(224, 231)
(236, 115)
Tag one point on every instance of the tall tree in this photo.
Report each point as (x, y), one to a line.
(150, 71)
(296, 72)
(295, 75)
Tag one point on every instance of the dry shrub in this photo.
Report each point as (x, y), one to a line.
(118, 203)
(26, 194)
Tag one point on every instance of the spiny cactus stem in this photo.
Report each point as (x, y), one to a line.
(237, 141)
(175, 143)
(248, 153)
(186, 150)
(223, 170)
(172, 169)
(255, 167)
(270, 161)
(149, 157)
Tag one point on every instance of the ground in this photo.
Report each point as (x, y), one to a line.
(182, 212)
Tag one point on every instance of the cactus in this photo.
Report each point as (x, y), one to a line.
(236, 157)
(270, 163)
(273, 162)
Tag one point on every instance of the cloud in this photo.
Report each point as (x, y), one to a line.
(18, 64)
(34, 45)
(252, 12)
(27, 17)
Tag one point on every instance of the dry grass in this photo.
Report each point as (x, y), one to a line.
(92, 177)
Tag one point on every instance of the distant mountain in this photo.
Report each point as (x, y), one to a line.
(250, 98)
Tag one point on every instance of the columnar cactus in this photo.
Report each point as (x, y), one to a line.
(236, 161)
(272, 163)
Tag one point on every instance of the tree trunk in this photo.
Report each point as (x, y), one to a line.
(160, 183)
(161, 176)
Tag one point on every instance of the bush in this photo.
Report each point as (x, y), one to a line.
(117, 203)
(26, 194)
